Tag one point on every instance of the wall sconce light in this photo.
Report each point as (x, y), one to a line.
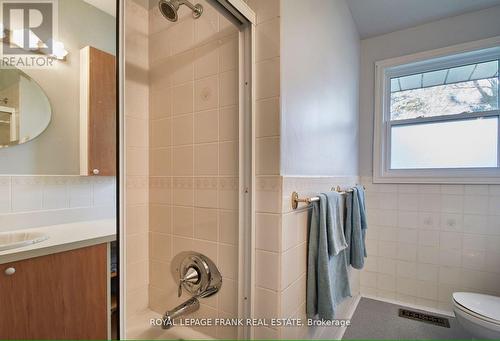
(15, 38)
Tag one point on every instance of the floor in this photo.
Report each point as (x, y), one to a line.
(379, 320)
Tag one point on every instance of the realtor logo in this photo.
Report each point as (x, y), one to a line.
(29, 32)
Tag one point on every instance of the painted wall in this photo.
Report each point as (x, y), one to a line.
(319, 89)
(56, 150)
(450, 31)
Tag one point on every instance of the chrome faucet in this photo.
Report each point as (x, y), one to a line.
(186, 308)
(199, 276)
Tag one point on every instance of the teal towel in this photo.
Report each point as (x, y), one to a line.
(355, 227)
(327, 276)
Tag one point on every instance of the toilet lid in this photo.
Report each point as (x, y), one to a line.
(484, 305)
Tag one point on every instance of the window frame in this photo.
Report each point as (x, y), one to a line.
(458, 55)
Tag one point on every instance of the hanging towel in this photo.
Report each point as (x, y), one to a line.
(355, 227)
(327, 277)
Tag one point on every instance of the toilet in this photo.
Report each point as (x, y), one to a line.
(478, 314)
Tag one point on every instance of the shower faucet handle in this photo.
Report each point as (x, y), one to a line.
(196, 274)
(192, 275)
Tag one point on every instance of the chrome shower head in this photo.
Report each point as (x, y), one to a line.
(169, 9)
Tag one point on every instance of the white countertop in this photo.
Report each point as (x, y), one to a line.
(62, 238)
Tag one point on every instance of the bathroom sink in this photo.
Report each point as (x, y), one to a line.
(14, 240)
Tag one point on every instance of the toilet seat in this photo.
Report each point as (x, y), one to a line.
(484, 307)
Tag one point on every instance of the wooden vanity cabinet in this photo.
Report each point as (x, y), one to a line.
(59, 296)
(97, 112)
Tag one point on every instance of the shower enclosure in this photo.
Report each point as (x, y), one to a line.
(187, 162)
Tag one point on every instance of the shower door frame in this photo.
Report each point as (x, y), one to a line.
(245, 21)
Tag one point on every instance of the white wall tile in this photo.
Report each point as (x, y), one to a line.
(5, 194)
(27, 193)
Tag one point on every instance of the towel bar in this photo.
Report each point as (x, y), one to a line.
(296, 199)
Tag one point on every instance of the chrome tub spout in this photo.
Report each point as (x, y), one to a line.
(188, 307)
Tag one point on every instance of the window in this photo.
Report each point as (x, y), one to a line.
(438, 118)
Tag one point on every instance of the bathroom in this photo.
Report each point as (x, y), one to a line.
(171, 182)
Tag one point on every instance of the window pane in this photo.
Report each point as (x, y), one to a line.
(468, 143)
(464, 89)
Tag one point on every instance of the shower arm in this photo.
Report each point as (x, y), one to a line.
(190, 5)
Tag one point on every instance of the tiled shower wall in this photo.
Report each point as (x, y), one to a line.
(193, 158)
(268, 180)
(136, 158)
(427, 241)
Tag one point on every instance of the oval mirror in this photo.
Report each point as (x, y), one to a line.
(25, 110)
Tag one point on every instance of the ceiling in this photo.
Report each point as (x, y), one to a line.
(108, 6)
(376, 17)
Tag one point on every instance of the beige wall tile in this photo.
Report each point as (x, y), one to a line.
(206, 93)
(160, 218)
(137, 248)
(160, 247)
(228, 227)
(183, 224)
(137, 190)
(268, 156)
(265, 9)
(206, 126)
(229, 54)
(229, 297)
(183, 161)
(160, 191)
(160, 133)
(268, 117)
(268, 194)
(268, 231)
(160, 102)
(182, 99)
(206, 157)
(265, 303)
(160, 81)
(160, 44)
(206, 60)
(137, 275)
(182, 36)
(137, 219)
(161, 162)
(229, 124)
(228, 158)
(268, 40)
(183, 191)
(228, 261)
(137, 161)
(207, 26)
(182, 66)
(267, 270)
(268, 79)
(182, 130)
(136, 131)
(228, 193)
(205, 224)
(229, 88)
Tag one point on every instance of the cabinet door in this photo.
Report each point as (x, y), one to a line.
(59, 296)
(98, 112)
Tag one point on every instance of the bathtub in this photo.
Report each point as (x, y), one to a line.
(140, 328)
